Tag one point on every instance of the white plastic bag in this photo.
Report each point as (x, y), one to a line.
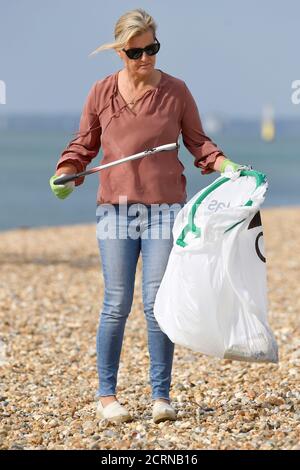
(213, 296)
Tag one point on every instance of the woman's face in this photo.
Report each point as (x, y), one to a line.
(143, 66)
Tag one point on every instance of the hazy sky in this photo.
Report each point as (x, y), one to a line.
(234, 55)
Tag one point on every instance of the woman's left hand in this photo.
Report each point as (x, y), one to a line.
(222, 163)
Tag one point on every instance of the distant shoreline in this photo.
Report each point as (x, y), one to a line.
(263, 210)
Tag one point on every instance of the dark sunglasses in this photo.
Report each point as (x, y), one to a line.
(137, 52)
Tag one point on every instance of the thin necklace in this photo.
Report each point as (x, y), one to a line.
(134, 99)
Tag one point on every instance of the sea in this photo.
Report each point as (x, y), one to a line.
(30, 146)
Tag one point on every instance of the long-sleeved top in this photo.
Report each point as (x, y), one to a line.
(158, 118)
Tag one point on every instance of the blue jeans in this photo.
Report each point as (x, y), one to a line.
(149, 232)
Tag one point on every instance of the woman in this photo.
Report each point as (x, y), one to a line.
(136, 108)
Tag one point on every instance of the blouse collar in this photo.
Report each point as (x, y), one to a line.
(156, 88)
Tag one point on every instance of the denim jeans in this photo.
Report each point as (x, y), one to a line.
(140, 229)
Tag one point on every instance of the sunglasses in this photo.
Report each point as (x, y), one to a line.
(137, 52)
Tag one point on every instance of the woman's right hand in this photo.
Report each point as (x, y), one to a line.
(63, 190)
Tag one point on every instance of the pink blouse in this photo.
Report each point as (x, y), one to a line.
(158, 118)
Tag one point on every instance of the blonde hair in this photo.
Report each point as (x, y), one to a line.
(130, 24)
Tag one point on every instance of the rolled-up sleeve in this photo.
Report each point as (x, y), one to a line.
(86, 145)
(194, 138)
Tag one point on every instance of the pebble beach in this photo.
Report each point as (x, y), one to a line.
(51, 291)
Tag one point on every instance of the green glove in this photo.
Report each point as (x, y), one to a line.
(231, 165)
(61, 190)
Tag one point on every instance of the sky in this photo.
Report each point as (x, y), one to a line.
(235, 56)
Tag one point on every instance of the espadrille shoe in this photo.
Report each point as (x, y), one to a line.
(113, 412)
(162, 411)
